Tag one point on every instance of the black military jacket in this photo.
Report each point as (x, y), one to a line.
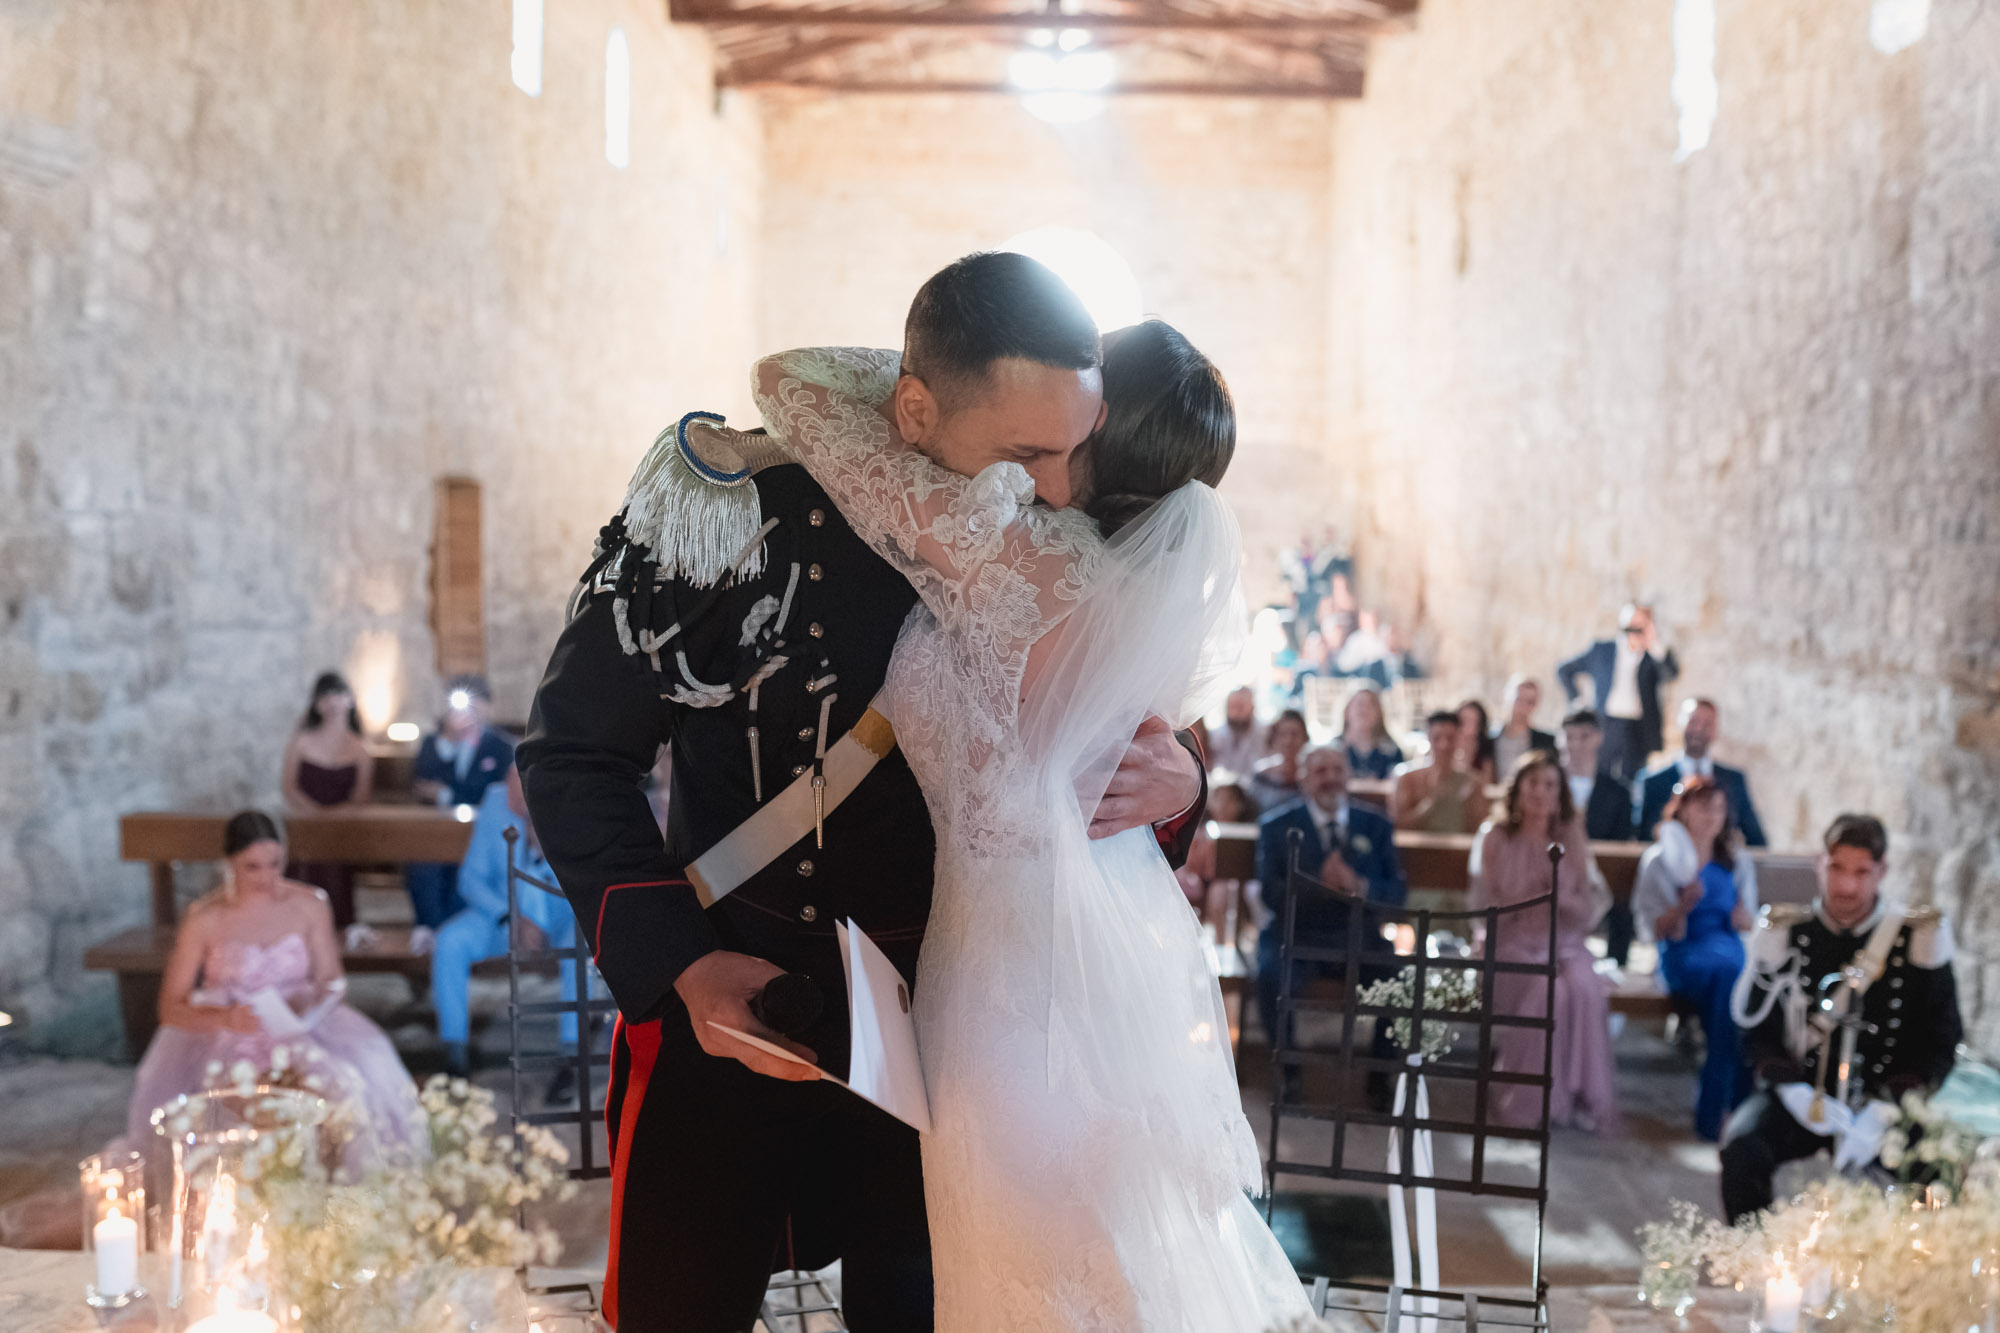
(602, 714)
(600, 718)
(1911, 1025)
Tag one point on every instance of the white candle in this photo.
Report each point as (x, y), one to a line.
(116, 1240)
(1781, 1304)
(1819, 1289)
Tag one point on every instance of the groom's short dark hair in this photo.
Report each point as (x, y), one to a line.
(991, 305)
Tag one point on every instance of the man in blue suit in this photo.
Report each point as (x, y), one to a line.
(1626, 674)
(1347, 847)
(1699, 720)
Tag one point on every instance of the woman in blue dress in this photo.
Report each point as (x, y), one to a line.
(1697, 897)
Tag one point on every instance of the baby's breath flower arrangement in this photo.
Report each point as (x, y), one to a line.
(1447, 990)
(393, 1247)
(1870, 1251)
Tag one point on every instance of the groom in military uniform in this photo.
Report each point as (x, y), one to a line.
(732, 613)
(1849, 1002)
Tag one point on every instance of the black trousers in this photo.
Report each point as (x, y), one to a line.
(1621, 755)
(1619, 932)
(1759, 1138)
(722, 1177)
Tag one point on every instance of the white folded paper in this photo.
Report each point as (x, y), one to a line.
(278, 1018)
(882, 1061)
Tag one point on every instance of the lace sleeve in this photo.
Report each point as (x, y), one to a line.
(971, 546)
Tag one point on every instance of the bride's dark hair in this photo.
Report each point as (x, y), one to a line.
(1168, 420)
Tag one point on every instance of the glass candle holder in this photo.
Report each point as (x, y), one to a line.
(114, 1226)
(233, 1151)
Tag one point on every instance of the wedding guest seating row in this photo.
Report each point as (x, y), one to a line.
(1435, 864)
(372, 835)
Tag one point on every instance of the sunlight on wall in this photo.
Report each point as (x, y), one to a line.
(1696, 93)
(1098, 274)
(375, 669)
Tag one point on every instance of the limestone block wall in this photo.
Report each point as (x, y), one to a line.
(266, 270)
(1761, 385)
(1219, 207)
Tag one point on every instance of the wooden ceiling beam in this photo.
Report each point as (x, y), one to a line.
(704, 13)
(763, 68)
(1348, 86)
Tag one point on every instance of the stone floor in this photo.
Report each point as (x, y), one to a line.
(1602, 1187)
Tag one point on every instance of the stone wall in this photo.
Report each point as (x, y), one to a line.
(1761, 385)
(1218, 206)
(267, 270)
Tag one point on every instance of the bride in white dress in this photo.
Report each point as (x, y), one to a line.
(1090, 1165)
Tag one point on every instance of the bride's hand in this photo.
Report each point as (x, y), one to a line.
(1156, 780)
(717, 988)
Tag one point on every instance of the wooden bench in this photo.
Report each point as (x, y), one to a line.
(1437, 864)
(362, 835)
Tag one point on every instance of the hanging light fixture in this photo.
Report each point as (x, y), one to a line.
(1062, 77)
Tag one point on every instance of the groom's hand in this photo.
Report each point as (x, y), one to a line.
(717, 988)
(1156, 780)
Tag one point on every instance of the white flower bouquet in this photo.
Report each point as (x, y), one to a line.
(393, 1248)
(1447, 990)
(1921, 1252)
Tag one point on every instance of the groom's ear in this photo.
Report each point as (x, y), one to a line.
(916, 409)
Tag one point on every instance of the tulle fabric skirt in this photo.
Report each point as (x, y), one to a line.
(353, 1061)
(1089, 1161)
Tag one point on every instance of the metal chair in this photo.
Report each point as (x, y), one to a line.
(1414, 1307)
(588, 1003)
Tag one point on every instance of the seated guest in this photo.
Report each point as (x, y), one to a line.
(1626, 674)
(1228, 803)
(479, 930)
(1275, 779)
(1517, 735)
(1475, 743)
(1510, 864)
(455, 765)
(257, 942)
(1364, 734)
(1606, 803)
(1697, 896)
(1437, 795)
(1237, 745)
(1699, 720)
(1346, 847)
(326, 765)
(1910, 1028)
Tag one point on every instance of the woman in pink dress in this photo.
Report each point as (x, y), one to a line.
(1510, 864)
(258, 948)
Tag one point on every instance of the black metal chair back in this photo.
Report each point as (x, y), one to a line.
(1357, 953)
(589, 1002)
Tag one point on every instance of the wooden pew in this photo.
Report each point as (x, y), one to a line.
(1437, 864)
(361, 835)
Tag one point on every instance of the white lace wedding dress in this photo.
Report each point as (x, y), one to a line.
(1089, 1163)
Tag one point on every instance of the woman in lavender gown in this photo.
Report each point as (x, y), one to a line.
(261, 932)
(1510, 864)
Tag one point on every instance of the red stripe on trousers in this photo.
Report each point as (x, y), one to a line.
(642, 1043)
